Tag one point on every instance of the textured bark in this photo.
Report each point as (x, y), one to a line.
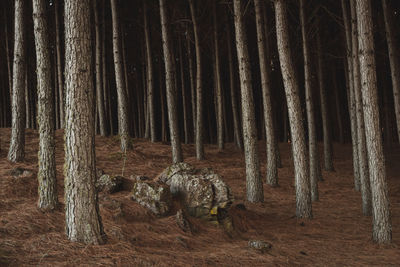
(218, 83)
(59, 66)
(99, 80)
(123, 128)
(326, 123)
(302, 179)
(272, 169)
(47, 165)
(352, 112)
(393, 58)
(183, 91)
(16, 151)
(361, 141)
(254, 186)
(382, 228)
(199, 87)
(10, 81)
(82, 217)
(170, 77)
(105, 92)
(149, 68)
(235, 108)
(26, 94)
(312, 136)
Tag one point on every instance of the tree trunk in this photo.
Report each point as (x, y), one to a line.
(10, 81)
(302, 179)
(48, 199)
(59, 66)
(99, 84)
(352, 111)
(162, 96)
(183, 88)
(16, 151)
(149, 67)
(338, 108)
(361, 142)
(254, 186)
(326, 124)
(312, 136)
(55, 98)
(218, 83)
(107, 122)
(393, 59)
(235, 109)
(199, 87)
(382, 228)
(272, 170)
(83, 221)
(192, 81)
(170, 77)
(123, 127)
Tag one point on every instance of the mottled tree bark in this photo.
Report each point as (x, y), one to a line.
(149, 68)
(59, 66)
(326, 123)
(82, 217)
(302, 179)
(16, 151)
(123, 127)
(218, 83)
(99, 81)
(272, 169)
(235, 108)
(312, 136)
(48, 199)
(254, 186)
(170, 77)
(183, 91)
(382, 228)
(393, 59)
(361, 141)
(199, 87)
(352, 111)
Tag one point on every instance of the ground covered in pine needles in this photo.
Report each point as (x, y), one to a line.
(338, 234)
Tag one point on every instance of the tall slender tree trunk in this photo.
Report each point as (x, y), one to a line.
(55, 98)
(302, 179)
(382, 228)
(82, 216)
(99, 81)
(254, 186)
(26, 93)
(10, 78)
(393, 59)
(199, 87)
(48, 199)
(192, 81)
(170, 75)
(16, 151)
(149, 67)
(235, 108)
(352, 109)
(326, 124)
(59, 65)
(312, 136)
(361, 141)
(107, 122)
(218, 83)
(123, 127)
(338, 108)
(183, 89)
(162, 96)
(272, 169)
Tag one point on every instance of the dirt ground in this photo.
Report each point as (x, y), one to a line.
(338, 234)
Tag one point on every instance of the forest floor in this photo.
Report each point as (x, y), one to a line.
(337, 235)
